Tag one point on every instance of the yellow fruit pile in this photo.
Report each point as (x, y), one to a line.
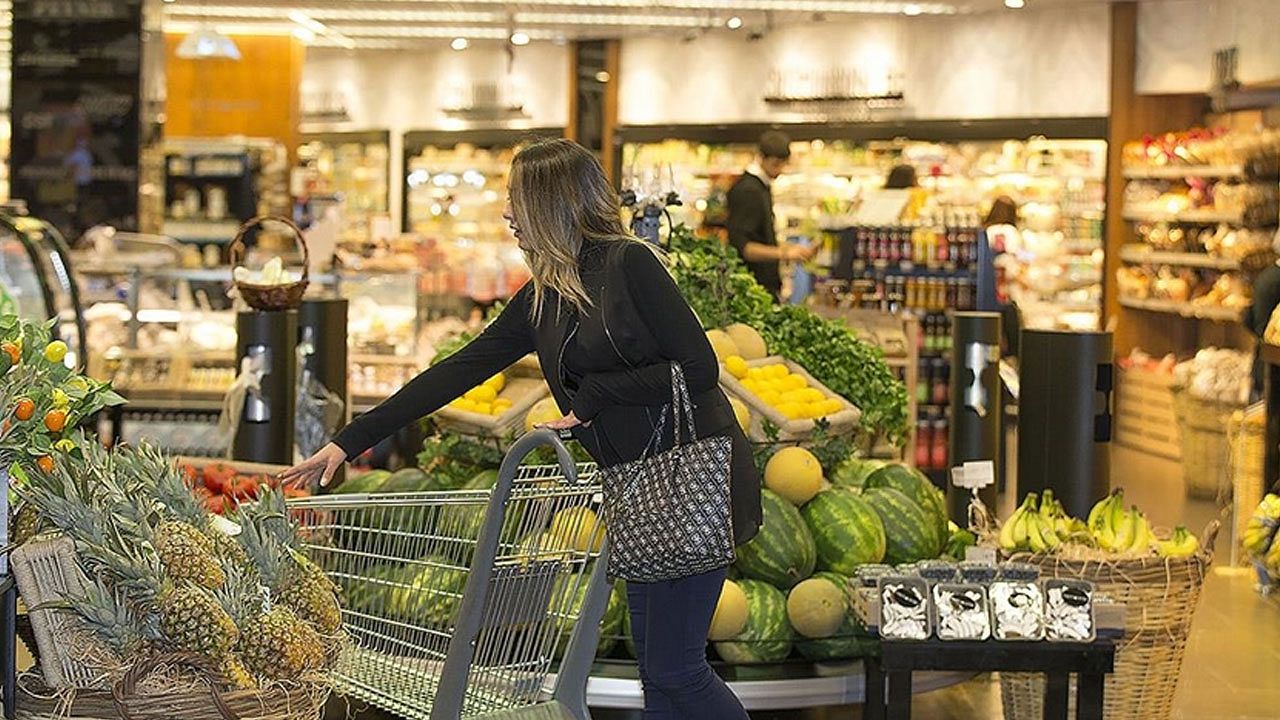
(783, 390)
(484, 399)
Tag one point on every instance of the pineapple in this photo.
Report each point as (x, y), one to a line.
(114, 621)
(270, 540)
(236, 674)
(26, 523)
(282, 646)
(188, 554)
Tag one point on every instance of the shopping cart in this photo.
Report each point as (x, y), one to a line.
(460, 603)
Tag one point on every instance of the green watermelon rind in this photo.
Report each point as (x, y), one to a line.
(854, 471)
(917, 487)
(768, 635)
(847, 531)
(405, 480)
(368, 482)
(783, 552)
(910, 534)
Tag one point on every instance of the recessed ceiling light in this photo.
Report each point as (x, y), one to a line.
(1015, 4)
(603, 76)
(911, 9)
(734, 23)
(304, 34)
(460, 43)
(519, 38)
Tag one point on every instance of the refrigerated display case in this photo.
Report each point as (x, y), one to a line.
(355, 169)
(36, 279)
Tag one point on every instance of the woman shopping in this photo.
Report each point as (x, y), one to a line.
(615, 340)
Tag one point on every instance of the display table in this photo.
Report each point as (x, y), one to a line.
(900, 659)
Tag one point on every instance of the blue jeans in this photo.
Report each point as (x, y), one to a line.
(669, 623)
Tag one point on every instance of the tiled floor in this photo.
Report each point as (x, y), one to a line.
(1232, 666)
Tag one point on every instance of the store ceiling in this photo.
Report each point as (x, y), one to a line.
(373, 24)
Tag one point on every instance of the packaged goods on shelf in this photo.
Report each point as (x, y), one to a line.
(354, 168)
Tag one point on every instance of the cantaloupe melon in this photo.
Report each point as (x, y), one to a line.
(578, 528)
(750, 345)
(816, 608)
(722, 344)
(731, 613)
(741, 412)
(795, 474)
(543, 411)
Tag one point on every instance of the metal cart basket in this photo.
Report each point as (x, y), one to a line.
(460, 603)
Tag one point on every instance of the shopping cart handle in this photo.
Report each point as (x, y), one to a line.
(533, 440)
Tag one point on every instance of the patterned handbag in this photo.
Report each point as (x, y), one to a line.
(668, 515)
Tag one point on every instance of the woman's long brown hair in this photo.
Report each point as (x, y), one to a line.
(561, 198)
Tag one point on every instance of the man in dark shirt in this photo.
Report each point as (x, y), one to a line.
(751, 221)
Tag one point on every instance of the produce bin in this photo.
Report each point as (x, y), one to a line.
(1202, 428)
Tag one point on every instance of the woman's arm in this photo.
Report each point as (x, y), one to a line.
(679, 335)
(507, 339)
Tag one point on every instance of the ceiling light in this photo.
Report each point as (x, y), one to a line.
(206, 43)
(734, 23)
(603, 76)
(519, 38)
(1015, 4)
(304, 34)
(911, 9)
(460, 43)
(306, 21)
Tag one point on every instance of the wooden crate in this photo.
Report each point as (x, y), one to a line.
(842, 422)
(1145, 419)
(525, 387)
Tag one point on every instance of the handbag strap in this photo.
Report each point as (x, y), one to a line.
(681, 407)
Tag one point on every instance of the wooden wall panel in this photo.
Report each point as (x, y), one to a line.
(256, 96)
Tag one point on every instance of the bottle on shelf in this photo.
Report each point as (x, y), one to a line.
(924, 445)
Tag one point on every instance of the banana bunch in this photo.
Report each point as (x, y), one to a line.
(1272, 559)
(1118, 530)
(1033, 526)
(1182, 544)
(1262, 525)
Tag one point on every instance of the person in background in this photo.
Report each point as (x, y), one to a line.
(1266, 296)
(1001, 224)
(611, 380)
(751, 220)
(901, 177)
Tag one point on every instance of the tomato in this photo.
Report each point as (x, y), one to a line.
(55, 352)
(190, 476)
(245, 488)
(218, 477)
(25, 409)
(13, 351)
(218, 504)
(294, 492)
(55, 420)
(45, 463)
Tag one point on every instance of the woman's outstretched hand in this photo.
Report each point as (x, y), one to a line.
(320, 466)
(564, 423)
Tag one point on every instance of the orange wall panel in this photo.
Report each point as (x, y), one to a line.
(256, 96)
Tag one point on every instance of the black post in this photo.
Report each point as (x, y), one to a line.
(323, 323)
(976, 404)
(265, 433)
(1064, 416)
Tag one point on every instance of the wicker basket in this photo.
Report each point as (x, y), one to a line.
(1160, 596)
(1246, 434)
(1202, 427)
(843, 422)
(271, 298)
(132, 698)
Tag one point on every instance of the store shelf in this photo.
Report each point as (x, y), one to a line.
(1138, 253)
(1184, 309)
(1177, 172)
(1208, 216)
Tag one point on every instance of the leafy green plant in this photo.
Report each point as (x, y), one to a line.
(451, 459)
(715, 282)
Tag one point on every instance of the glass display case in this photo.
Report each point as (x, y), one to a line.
(354, 168)
(36, 280)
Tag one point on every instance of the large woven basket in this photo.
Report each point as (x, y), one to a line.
(1202, 428)
(1246, 435)
(1160, 596)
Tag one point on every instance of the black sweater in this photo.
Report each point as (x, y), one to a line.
(751, 219)
(611, 366)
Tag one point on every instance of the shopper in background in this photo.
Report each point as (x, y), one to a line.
(1266, 297)
(751, 221)
(1003, 236)
(610, 378)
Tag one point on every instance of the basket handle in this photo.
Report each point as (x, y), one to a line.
(127, 685)
(236, 251)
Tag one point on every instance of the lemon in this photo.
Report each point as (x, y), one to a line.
(791, 410)
(464, 404)
(736, 366)
(815, 410)
(757, 373)
(778, 371)
(482, 394)
(769, 397)
(483, 408)
(811, 395)
(497, 382)
(831, 406)
(794, 382)
(503, 403)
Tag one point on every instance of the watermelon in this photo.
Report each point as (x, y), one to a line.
(364, 483)
(851, 640)
(627, 640)
(782, 553)
(916, 486)
(484, 480)
(406, 480)
(855, 471)
(911, 534)
(368, 595)
(610, 624)
(846, 530)
(428, 594)
(768, 635)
